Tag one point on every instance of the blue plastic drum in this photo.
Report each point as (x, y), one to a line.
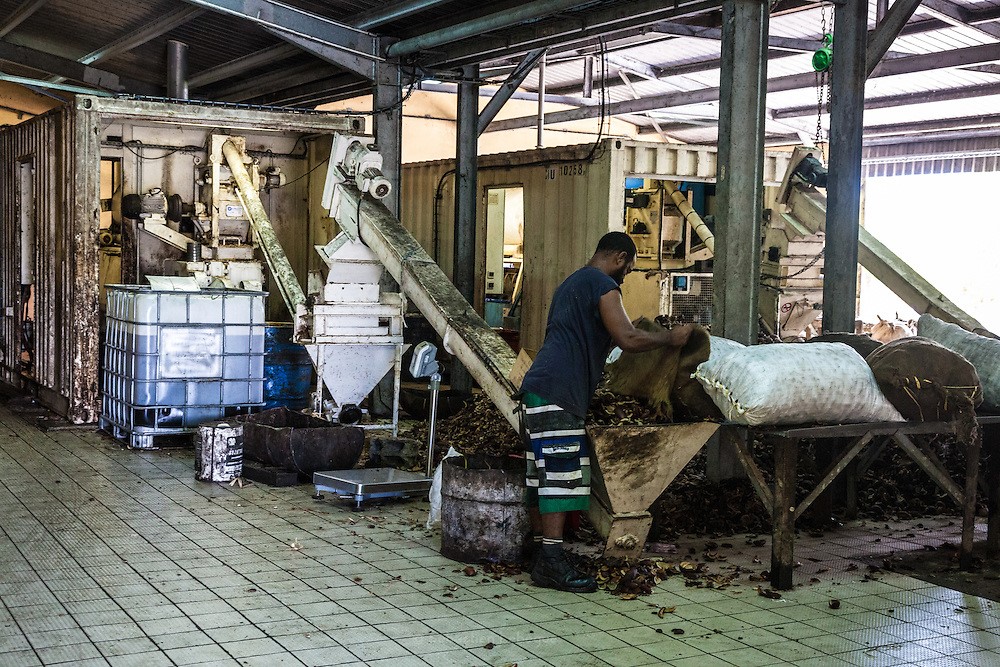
(288, 369)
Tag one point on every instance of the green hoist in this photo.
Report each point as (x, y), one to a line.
(823, 58)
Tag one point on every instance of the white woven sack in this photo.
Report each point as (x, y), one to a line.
(982, 352)
(721, 346)
(786, 383)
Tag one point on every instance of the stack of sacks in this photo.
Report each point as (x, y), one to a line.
(795, 384)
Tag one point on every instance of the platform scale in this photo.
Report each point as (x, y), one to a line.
(373, 483)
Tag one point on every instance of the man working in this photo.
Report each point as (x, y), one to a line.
(586, 315)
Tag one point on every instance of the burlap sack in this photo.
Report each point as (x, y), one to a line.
(663, 376)
(926, 381)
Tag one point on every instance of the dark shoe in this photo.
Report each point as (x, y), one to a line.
(554, 571)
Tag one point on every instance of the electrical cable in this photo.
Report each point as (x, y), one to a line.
(299, 178)
(128, 145)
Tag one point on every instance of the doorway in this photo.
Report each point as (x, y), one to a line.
(504, 256)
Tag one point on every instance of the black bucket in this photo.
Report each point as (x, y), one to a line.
(483, 516)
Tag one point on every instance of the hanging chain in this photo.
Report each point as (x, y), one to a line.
(823, 92)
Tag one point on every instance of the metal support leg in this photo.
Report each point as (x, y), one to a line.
(741, 168)
(721, 461)
(843, 210)
(972, 452)
(991, 445)
(783, 518)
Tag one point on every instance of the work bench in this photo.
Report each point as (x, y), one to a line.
(862, 444)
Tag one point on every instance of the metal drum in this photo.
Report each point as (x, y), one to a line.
(483, 517)
(288, 370)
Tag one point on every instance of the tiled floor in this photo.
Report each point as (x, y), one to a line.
(119, 557)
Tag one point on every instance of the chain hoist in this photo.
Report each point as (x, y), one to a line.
(821, 61)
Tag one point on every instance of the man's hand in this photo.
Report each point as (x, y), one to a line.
(679, 334)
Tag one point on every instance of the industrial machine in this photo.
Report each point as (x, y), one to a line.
(792, 266)
(214, 232)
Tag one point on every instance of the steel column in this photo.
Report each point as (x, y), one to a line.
(466, 198)
(740, 177)
(540, 142)
(843, 191)
(177, 69)
(387, 101)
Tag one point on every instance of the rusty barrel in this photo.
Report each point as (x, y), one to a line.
(483, 518)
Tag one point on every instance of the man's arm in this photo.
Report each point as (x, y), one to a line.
(630, 339)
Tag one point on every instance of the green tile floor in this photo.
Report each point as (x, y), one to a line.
(116, 557)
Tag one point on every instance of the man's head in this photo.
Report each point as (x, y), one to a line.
(615, 255)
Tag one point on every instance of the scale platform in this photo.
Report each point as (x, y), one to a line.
(368, 483)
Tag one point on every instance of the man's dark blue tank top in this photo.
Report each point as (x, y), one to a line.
(568, 368)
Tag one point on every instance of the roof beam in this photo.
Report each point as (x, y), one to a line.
(973, 55)
(339, 86)
(886, 32)
(715, 34)
(349, 47)
(19, 15)
(274, 54)
(73, 70)
(673, 70)
(958, 16)
(621, 16)
(981, 132)
(629, 65)
(525, 12)
(393, 12)
(280, 79)
(146, 33)
(889, 101)
(965, 122)
(508, 88)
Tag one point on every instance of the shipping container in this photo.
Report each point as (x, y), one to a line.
(62, 176)
(571, 197)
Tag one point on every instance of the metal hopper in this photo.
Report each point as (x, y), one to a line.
(631, 466)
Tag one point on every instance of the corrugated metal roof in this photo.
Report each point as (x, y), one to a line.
(72, 28)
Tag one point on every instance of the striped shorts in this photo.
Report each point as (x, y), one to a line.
(558, 456)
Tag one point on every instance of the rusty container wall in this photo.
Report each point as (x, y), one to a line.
(569, 203)
(45, 143)
(67, 146)
(565, 213)
(483, 516)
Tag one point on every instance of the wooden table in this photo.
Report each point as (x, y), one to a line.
(780, 499)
